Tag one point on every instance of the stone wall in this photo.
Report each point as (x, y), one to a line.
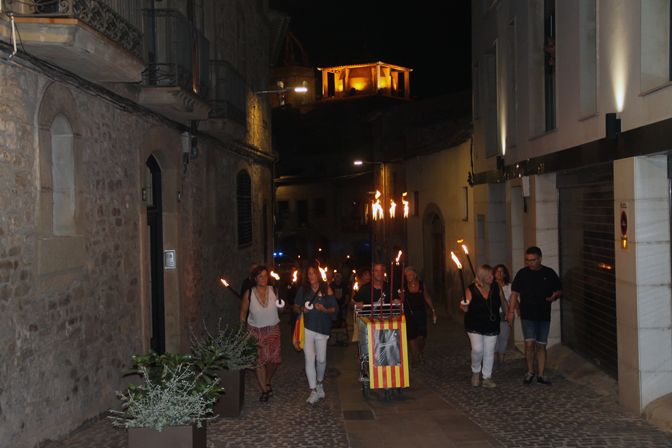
(76, 307)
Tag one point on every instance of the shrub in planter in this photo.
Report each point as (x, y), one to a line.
(169, 408)
(230, 350)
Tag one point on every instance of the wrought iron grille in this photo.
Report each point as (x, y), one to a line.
(176, 52)
(116, 19)
(228, 94)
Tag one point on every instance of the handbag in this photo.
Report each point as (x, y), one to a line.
(298, 334)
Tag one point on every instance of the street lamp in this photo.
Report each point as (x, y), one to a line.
(282, 90)
(303, 88)
(359, 162)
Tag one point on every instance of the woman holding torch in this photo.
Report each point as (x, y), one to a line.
(481, 321)
(259, 309)
(317, 302)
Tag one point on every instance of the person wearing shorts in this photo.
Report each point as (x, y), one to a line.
(533, 290)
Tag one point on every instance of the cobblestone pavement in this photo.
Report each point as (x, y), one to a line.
(564, 414)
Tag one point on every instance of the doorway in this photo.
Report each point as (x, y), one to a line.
(438, 259)
(433, 244)
(155, 231)
(587, 264)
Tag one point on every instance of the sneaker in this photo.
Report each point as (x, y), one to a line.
(542, 380)
(313, 397)
(488, 383)
(475, 379)
(529, 376)
(320, 391)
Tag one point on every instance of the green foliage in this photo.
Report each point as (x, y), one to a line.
(176, 389)
(230, 348)
(179, 389)
(176, 397)
(159, 367)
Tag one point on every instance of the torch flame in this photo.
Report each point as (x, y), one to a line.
(323, 272)
(275, 275)
(398, 257)
(405, 203)
(393, 208)
(224, 282)
(355, 287)
(455, 259)
(377, 208)
(465, 250)
(295, 276)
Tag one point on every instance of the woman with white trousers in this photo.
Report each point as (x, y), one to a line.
(481, 321)
(317, 302)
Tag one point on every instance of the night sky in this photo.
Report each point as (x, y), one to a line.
(433, 38)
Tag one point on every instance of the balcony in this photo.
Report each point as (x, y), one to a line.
(228, 102)
(99, 40)
(176, 80)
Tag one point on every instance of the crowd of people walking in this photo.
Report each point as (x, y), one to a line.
(324, 301)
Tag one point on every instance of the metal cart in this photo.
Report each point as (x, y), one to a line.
(383, 350)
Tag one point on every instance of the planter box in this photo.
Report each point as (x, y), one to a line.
(231, 402)
(169, 437)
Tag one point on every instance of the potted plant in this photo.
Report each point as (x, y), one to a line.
(230, 350)
(170, 407)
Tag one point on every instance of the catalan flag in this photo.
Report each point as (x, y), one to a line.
(388, 352)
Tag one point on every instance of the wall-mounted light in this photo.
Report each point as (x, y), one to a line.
(612, 125)
(186, 146)
(189, 144)
(303, 88)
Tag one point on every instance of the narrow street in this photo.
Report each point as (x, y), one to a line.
(441, 409)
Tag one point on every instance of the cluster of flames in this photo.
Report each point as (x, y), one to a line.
(377, 211)
(456, 260)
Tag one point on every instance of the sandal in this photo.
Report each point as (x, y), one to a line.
(264, 397)
(269, 390)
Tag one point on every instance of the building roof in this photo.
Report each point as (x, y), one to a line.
(341, 67)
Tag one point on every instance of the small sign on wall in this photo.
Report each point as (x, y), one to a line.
(169, 259)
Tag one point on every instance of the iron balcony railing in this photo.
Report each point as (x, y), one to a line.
(228, 97)
(119, 20)
(176, 52)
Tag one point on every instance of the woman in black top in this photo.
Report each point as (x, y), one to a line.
(416, 299)
(481, 321)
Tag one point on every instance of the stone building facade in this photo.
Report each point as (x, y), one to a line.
(78, 159)
(571, 153)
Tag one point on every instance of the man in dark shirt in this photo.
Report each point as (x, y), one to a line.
(381, 289)
(532, 291)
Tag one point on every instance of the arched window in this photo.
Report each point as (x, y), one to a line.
(63, 176)
(244, 208)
